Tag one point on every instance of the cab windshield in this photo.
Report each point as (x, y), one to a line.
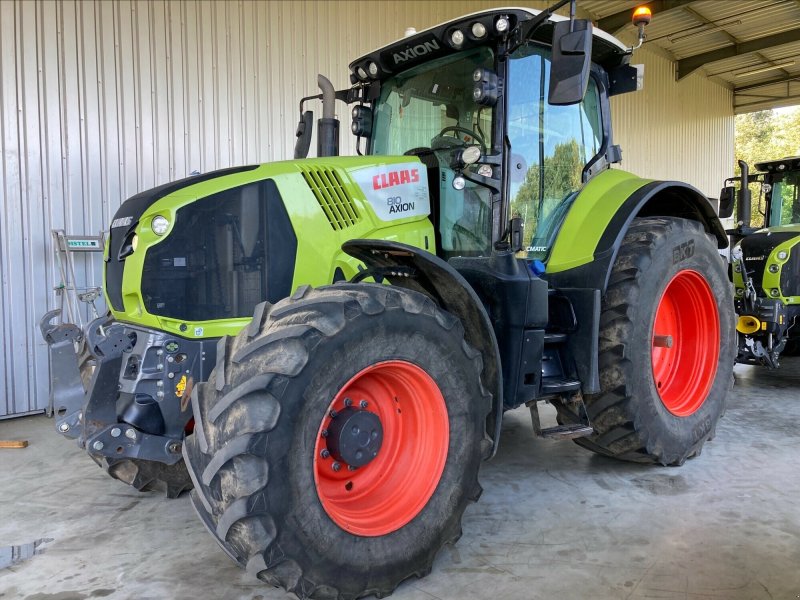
(785, 200)
(429, 112)
(420, 107)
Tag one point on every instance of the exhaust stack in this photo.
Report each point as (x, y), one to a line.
(328, 125)
(743, 210)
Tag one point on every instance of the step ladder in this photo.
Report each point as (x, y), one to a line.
(69, 293)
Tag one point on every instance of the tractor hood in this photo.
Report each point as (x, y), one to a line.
(195, 256)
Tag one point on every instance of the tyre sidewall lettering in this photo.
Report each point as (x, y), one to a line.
(695, 254)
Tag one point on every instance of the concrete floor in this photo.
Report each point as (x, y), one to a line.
(554, 521)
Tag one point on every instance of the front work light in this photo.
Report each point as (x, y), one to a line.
(478, 30)
(457, 38)
(484, 91)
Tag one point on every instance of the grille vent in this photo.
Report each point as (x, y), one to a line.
(336, 203)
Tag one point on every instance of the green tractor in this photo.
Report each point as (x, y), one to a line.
(324, 348)
(765, 261)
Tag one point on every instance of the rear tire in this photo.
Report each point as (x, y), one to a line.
(662, 395)
(273, 500)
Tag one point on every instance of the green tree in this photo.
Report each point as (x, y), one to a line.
(765, 135)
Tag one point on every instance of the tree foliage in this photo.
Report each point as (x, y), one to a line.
(765, 135)
(562, 175)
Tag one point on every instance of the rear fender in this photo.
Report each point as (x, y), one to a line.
(588, 264)
(426, 273)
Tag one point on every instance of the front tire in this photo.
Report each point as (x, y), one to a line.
(667, 345)
(262, 459)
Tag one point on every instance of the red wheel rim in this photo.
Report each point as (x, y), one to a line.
(685, 345)
(388, 492)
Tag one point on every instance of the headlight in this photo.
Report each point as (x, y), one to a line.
(783, 255)
(134, 242)
(159, 225)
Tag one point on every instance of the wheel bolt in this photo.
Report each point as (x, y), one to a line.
(64, 427)
(98, 445)
(333, 414)
(363, 404)
(348, 402)
(324, 433)
(325, 453)
(336, 466)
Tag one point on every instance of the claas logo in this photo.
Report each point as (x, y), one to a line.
(386, 180)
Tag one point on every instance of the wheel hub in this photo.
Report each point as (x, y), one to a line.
(355, 437)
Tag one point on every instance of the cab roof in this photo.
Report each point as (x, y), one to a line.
(434, 42)
(789, 163)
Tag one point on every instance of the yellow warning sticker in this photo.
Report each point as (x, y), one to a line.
(180, 387)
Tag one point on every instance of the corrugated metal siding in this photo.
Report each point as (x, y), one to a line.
(676, 130)
(99, 100)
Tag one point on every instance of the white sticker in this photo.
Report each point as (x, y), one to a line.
(198, 331)
(395, 191)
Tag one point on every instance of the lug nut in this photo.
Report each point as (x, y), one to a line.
(130, 433)
(324, 433)
(325, 453)
(363, 404)
(116, 432)
(348, 402)
(64, 427)
(336, 466)
(333, 414)
(98, 445)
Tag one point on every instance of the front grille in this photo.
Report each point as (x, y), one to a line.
(756, 249)
(333, 198)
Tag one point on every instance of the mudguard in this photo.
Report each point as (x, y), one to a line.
(409, 267)
(595, 225)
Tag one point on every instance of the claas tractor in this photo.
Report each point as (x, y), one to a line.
(765, 260)
(324, 348)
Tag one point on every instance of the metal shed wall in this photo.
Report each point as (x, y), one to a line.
(99, 100)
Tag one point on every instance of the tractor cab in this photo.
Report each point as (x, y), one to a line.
(508, 128)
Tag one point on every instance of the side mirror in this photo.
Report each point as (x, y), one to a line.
(727, 197)
(304, 129)
(572, 54)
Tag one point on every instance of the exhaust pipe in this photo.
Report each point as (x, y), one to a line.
(743, 209)
(328, 125)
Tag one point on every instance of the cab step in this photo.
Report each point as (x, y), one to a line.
(567, 432)
(559, 385)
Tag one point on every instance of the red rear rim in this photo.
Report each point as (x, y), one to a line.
(413, 432)
(685, 342)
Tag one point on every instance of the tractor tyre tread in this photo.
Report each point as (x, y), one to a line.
(231, 492)
(623, 429)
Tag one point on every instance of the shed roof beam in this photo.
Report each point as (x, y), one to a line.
(692, 63)
(763, 84)
(613, 23)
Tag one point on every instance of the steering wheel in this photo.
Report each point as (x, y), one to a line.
(442, 141)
